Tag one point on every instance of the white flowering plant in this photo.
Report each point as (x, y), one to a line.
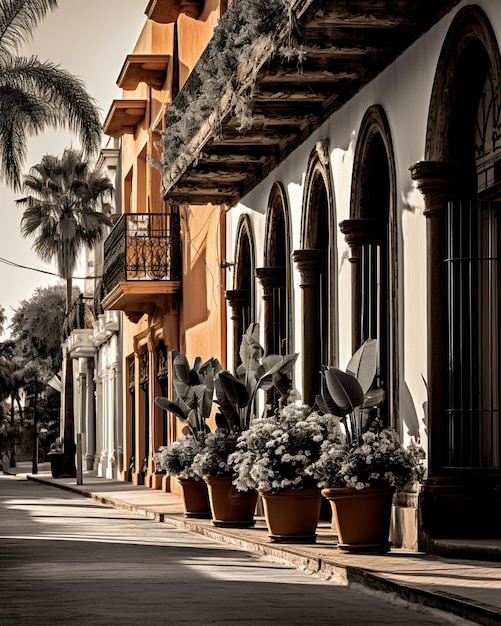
(178, 457)
(375, 459)
(212, 459)
(276, 452)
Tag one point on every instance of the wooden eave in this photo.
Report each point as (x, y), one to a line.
(137, 297)
(347, 43)
(124, 116)
(167, 11)
(143, 68)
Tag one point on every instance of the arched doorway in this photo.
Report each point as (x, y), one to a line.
(317, 264)
(461, 182)
(371, 235)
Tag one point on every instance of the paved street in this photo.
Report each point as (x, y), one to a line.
(67, 560)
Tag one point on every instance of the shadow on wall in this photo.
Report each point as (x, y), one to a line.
(409, 413)
(195, 290)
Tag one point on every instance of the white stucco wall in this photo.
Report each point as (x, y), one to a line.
(404, 91)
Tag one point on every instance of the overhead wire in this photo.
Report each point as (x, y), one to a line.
(34, 269)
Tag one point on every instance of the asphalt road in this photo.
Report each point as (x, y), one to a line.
(65, 559)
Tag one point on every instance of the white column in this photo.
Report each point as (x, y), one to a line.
(90, 427)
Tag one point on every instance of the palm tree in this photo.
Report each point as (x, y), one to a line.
(35, 94)
(60, 210)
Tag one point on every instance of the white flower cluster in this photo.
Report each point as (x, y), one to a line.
(274, 453)
(378, 459)
(177, 458)
(212, 460)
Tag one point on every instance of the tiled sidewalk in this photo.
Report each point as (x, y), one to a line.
(470, 589)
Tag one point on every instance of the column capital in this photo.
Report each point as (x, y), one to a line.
(237, 298)
(359, 231)
(270, 278)
(440, 181)
(309, 262)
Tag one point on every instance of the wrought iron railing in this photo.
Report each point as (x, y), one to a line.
(142, 246)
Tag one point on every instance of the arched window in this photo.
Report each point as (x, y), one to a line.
(462, 186)
(275, 276)
(371, 235)
(461, 183)
(242, 297)
(317, 264)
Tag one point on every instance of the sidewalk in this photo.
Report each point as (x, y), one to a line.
(467, 588)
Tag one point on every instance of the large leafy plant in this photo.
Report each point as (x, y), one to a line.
(350, 395)
(194, 387)
(237, 395)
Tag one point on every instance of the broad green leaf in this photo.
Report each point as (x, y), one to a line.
(173, 407)
(203, 401)
(344, 389)
(328, 404)
(363, 364)
(374, 398)
(181, 375)
(231, 389)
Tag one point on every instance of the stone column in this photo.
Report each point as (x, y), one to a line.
(439, 182)
(98, 434)
(357, 232)
(237, 299)
(271, 278)
(309, 263)
(90, 421)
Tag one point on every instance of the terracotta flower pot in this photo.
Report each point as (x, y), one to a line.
(196, 498)
(292, 515)
(362, 518)
(230, 508)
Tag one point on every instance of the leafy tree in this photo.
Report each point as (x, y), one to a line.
(35, 95)
(27, 362)
(37, 325)
(61, 210)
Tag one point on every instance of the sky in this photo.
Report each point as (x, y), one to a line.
(91, 40)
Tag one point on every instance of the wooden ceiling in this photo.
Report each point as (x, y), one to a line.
(347, 44)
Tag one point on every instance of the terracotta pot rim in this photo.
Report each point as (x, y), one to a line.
(214, 478)
(349, 491)
(189, 480)
(288, 492)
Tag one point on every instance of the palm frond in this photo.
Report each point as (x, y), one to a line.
(18, 20)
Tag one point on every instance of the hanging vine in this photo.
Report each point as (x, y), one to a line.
(223, 80)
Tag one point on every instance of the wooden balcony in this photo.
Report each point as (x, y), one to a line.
(142, 264)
